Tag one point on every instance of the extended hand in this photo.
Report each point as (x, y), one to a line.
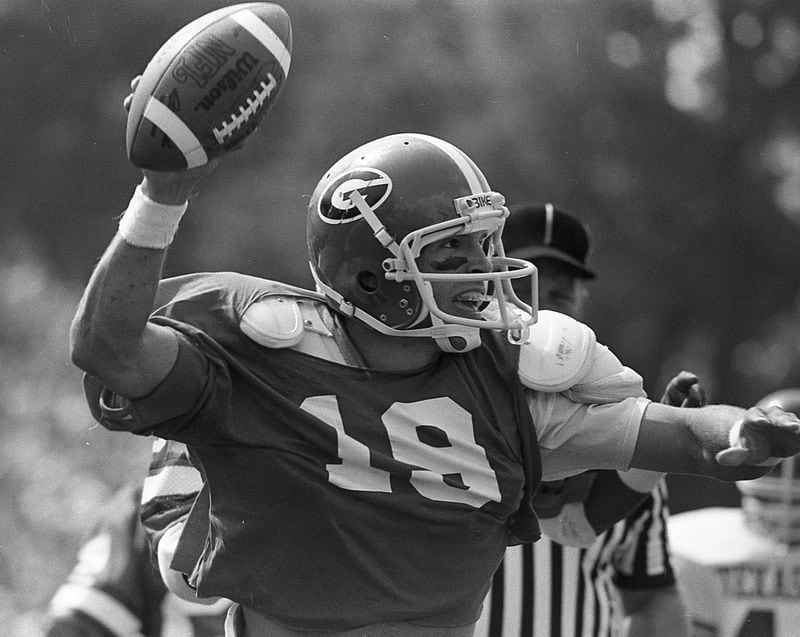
(684, 390)
(762, 437)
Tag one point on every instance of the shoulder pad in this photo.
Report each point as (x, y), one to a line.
(280, 321)
(557, 354)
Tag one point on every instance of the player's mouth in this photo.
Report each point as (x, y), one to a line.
(471, 302)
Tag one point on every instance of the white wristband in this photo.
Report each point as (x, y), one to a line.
(149, 224)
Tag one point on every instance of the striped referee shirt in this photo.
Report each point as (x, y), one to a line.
(549, 590)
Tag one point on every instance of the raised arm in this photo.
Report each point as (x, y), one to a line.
(111, 337)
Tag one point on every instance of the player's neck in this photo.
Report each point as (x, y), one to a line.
(390, 353)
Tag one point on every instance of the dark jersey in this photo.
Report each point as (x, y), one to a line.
(339, 496)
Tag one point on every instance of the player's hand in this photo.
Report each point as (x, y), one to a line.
(175, 187)
(126, 103)
(762, 436)
(684, 390)
(172, 188)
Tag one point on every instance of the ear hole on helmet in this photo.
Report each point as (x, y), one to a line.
(367, 281)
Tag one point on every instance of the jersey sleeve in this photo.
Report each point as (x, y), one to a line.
(113, 588)
(642, 559)
(185, 406)
(576, 437)
(170, 488)
(593, 423)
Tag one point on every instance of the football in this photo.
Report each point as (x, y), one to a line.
(209, 86)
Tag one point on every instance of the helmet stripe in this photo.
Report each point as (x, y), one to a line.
(475, 178)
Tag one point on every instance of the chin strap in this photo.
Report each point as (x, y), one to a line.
(451, 338)
(454, 339)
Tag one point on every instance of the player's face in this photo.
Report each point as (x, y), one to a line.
(458, 254)
(561, 289)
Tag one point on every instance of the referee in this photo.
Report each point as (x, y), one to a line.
(623, 583)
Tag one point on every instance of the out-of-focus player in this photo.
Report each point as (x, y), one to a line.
(740, 567)
(115, 588)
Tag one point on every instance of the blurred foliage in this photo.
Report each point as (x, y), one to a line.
(671, 126)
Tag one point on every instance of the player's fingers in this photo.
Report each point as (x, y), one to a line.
(762, 435)
(778, 415)
(126, 103)
(783, 429)
(733, 457)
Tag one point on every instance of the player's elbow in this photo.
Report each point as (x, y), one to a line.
(81, 346)
(101, 353)
(87, 349)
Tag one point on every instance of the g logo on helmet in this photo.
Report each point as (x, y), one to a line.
(335, 205)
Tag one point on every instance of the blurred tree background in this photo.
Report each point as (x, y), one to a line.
(671, 126)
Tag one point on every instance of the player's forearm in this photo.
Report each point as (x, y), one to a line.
(675, 440)
(110, 336)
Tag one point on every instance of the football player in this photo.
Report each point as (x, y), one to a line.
(369, 448)
(612, 582)
(740, 566)
(116, 588)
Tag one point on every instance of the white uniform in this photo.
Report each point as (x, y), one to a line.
(735, 583)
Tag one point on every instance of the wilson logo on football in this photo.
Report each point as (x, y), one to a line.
(229, 81)
(336, 205)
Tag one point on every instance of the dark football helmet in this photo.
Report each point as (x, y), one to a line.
(374, 211)
(771, 504)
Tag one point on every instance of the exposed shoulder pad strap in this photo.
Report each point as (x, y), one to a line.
(557, 354)
(279, 321)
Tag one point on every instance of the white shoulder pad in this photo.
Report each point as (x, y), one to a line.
(280, 321)
(557, 354)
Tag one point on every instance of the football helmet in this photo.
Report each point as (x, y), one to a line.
(771, 504)
(373, 213)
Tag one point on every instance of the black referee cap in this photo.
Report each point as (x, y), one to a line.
(538, 231)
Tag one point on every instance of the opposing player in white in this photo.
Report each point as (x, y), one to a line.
(740, 567)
